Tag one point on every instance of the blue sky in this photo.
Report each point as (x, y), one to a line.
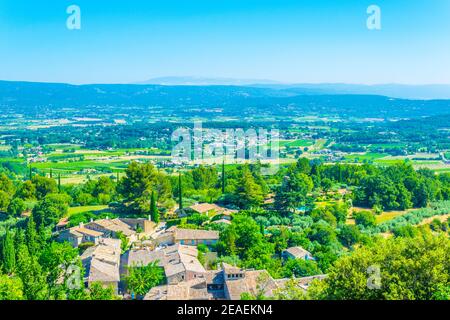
(289, 41)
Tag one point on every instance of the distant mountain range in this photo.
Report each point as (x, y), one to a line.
(417, 92)
(237, 101)
(204, 81)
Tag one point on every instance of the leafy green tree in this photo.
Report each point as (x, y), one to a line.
(27, 191)
(248, 193)
(11, 288)
(303, 165)
(326, 184)
(300, 268)
(6, 184)
(51, 209)
(244, 239)
(154, 213)
(204, 177)
(31, 237)
(55, 259)
(16, 207)
(414, 268)
(442, 292)
(323, 233)
(140, 179)
(104, 185)
(293, 192)
(223, 177)
(197, 219)
(180, 193)
(8, 253)
(290, 291)
(364, 218)
(405, 231)
(31, 274)
(124, 241)
(349, 235)
(98, 292)
(44, 186)
(340, 211)
(141, 279)
(5, 199)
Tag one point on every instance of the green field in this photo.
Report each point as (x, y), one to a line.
(82, 209)
(295, 143)
(80, 165)
(370, 156)
(389, 215)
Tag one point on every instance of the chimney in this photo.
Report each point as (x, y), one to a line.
(149, 218)
(81, 224)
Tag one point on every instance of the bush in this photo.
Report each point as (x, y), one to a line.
(364, 218)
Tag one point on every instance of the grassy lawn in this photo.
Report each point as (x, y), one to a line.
(82, 209)
(385, 216)
(389, 215)
(295, 143)
(80, 165)
(370, 156)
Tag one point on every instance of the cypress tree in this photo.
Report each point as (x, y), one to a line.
(8, 253)
(261, 228)
(31, 236)
(31, 173)
(180, 193)
(223, 176)
(154, 213)
(51, 173)
(59, 182)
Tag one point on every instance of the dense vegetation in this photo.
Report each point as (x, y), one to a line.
(307, 210)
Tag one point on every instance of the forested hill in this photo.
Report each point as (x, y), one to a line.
(233, 100)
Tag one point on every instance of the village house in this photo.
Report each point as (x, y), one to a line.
(180, 262)
(78, 235)
(107, 228)
(128, 227)
(228, 283)
(209, 209)
(189, 290)
(192, 237)
(102, 263)
(297, 253)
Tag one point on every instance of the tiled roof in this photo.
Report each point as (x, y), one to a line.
(114, 225)
(206, 207)
(102, 261)
(203, 207)
(89, 232)
(189, 290)
(298, 252)
(251, 283)
(174, 259)
(195, 234)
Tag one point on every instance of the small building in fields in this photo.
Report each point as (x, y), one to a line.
(297, 253)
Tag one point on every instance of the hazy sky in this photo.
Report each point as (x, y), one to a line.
(290, 41)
